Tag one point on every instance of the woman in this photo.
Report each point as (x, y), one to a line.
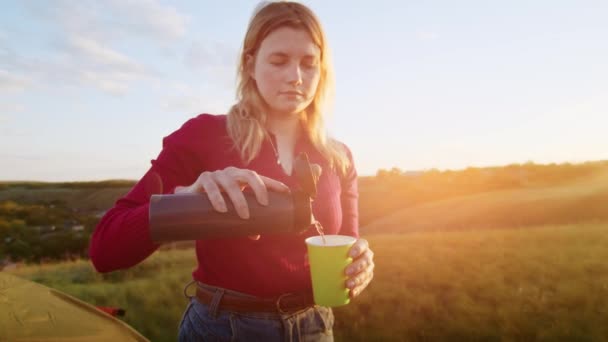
(255, 288)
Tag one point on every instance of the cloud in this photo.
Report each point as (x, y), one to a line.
(86, 44)
(21, 64)
(103, 67)
(81, 61)
(115, 20)
(114, 83)
(149, 17)
(95, 52)
(77, 61)
(12, 82)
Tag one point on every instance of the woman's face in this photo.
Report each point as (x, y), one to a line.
(287, 70)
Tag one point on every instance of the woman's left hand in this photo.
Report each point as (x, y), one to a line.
(361, 271)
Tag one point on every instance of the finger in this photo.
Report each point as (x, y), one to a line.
(209, 185)
(254, 237)
(257, 185)
(179, 189)
(232, 189)
(272, 184)
(194, 188)
(359, 279)
(361, 264)
(358, 248)
(357, 290)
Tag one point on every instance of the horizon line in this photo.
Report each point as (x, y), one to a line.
(598, 161)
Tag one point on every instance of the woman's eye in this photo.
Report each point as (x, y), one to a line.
(309, 64)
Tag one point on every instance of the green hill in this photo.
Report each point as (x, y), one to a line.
(581, 201)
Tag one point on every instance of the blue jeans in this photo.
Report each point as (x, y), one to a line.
(200, 322)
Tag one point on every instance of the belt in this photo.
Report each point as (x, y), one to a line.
(286, 303)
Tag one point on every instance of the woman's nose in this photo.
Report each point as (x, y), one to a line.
(294, 75)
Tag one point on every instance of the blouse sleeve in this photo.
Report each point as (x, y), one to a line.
(121, 238)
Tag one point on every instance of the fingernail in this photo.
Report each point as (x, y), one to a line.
(349, 271)
(223, 208)
(354, 252)
(350, 283)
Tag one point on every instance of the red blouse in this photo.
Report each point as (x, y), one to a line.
(270, 266)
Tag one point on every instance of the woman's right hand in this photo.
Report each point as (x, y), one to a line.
(232, 181)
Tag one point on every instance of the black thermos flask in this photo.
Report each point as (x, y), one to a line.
(175, 217)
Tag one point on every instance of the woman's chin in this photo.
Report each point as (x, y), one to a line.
(284, 111)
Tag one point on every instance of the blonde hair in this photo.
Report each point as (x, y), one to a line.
(247, 118)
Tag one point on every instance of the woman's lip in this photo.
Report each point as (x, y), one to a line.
(291, 93)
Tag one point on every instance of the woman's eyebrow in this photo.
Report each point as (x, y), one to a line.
(279, 54)
(283, 54)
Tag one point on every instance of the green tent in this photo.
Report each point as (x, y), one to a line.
(33, 312)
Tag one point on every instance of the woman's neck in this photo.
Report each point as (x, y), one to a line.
(286, 131)
(286, 127)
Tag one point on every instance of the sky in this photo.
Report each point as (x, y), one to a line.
(88, 89)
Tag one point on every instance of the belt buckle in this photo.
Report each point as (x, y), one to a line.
(278, 303)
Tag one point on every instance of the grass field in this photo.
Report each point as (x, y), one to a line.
(521, 264)
(543, 283)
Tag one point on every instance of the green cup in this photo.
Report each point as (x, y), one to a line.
(327, 264)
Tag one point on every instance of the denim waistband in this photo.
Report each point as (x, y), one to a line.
(219, 292)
